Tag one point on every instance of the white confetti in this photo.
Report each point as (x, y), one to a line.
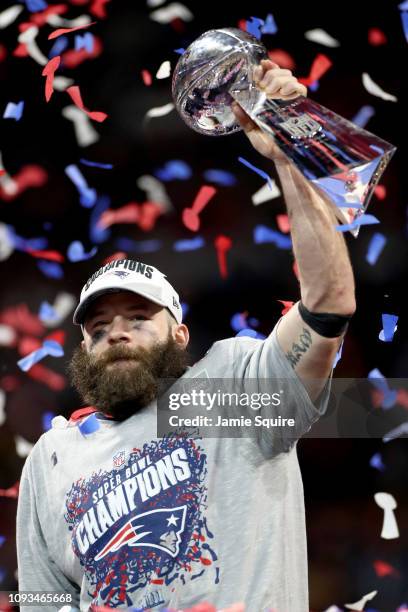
(172, 11)
(154, 3)
(159, 111)
(63, 305)
(322, 37)
(396, 432)
(85, 133)
(61, 83)
(7, 335)
(23, 446)
(2, 406)
(28, 39)
(359, 605)
(155, 191)
(265, 193)
(59, 22)
(6, 244)
(375, 89)
(164, 70)
(6, 182)
(333, 609)
(9, 15)
(390, 528)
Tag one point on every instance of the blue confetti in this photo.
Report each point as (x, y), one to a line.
(338, 355)
(87, 195)
(362, 220)
(179, 51)
(251, 333)
(363, 116)
(257, 170)
(377, 243)
(90, 425)
(220, 177)
(269, 26)
(93, 164)
(314, 86)
(14, 111)
(144, 246)
(380, 382)
(52, 269)
(254, 27)
(189, 245)
(53, 348)
(376, 462)
(238, 321)
(36, 5)
(404, 20)
(47, 312)
(263, 234)
(47, 420)
(99, 234)
(76, 252)
(59, 46)
(2, 540)
(175, 169)
(389, 323)
(24, 244)
(84, 41)
(403, 6)
(185, 308)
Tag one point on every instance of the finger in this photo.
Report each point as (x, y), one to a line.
(258, 74)
(273, 74)
(267, 64)
(244, 120)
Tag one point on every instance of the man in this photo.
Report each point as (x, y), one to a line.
(121, 518)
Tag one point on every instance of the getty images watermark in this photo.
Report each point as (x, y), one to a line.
(282, 409)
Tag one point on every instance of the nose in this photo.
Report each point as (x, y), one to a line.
(119, 331)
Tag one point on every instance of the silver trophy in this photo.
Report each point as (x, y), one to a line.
(344, 160)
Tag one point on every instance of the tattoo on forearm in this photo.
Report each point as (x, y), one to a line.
(299, 348)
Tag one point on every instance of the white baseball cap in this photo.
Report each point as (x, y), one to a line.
(128, 275)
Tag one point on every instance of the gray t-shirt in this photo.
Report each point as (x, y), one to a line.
(122, 518)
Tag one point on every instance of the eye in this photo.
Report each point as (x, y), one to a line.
(138, 317)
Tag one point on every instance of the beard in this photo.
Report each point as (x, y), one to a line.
(122, 389)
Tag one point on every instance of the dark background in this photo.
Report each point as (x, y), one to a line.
(343, 521)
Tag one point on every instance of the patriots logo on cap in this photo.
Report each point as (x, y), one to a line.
(120, 273)
(160, 529)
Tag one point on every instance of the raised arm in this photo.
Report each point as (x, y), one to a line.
(312, 331)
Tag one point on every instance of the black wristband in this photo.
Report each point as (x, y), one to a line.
(324, 323)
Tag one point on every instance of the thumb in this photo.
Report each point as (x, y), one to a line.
(243, 118)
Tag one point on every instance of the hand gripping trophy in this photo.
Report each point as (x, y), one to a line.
(342, 159)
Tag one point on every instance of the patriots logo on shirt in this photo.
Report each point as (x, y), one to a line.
(160, 529)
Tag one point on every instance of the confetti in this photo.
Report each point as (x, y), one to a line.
(93, 164)
(190, 216)
(320, 66)
(60, 32)
(189, 245)
(11, 492)
(48, 255)
(159, 111)
(98, 234)
(47, 312)
(58, 47)
(363, 116)
(375, 247)
(220, 177)
(49, 72)
(269, 27)
(14, 111)
(283, 223)
(85, 41)
(147, 77)
(75, 94)
(49, 348)
(389, 323)
(164, 70)
(375, 89)
(222, 245)
(50, 269)
(172, 11)
(76, 252)
(359, 605)
(36, 5)
(143, 246)
(379, 381)
(84, 132)
(254, 27)
(27, 38)
(175, 169)
(155, 191)
(258, 171)
(384, 569)
(282, 58)
(8, 335)
(9, 15)
(322, 37)
(377, 463)
(23, 447)
(87, 195)
(401, 430)
(376, 37)
(390, 528)
(29, 176)
(263, 234)
(51, 379)
(287, 305)
(362, 220)
(404, 21)
(266, 193)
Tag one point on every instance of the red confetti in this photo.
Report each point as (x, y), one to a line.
(147, 77)
(40, 19)
(49, 72)
(73, 57)
(114, 257)
(380, 192)
(62, 31)
(3, 53)
(145, 215)
(178, 24)
(385, 569)
(28, 176)
(97, 8)
(11, 491)
(2, 172)
(28, 344)
(377, 398)
(9, 383)
(20, 51)
(54, 381)
(49, 255)
(287, 306)
(149, 212)
(190, 216)
(320, 66)
(222, 245)
(75, 94)
(242, 24)
(282, 58)
(376, 37)
(58, 335)
(283, 223)
(22, 320)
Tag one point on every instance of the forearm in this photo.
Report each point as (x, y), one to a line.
(325, 272)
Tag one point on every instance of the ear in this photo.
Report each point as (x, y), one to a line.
(180, 334)
(83, 345)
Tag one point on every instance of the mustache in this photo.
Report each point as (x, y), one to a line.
(118, 352)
